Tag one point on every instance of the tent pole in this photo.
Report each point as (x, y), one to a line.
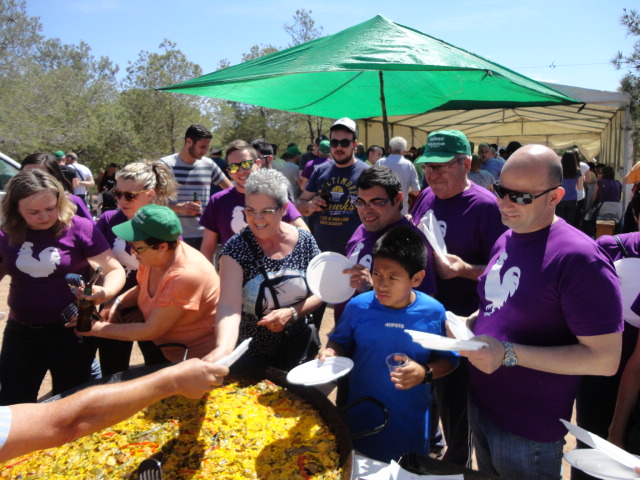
(385, 122)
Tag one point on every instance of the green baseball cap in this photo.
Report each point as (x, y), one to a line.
(443, 145)
(58, 154)
(150, 221)
(324, 147)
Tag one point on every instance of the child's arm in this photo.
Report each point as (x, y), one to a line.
(414, 374)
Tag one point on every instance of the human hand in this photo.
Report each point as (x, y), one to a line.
(216, 354)
(360, 278)
(487, 359)
(193, 378)
(317, 204)
(326, 353)
(276, 320)
(452, 269)
(188, 208)
(97, 297)
(408, 376)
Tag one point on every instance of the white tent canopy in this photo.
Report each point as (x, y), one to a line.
(599, 127)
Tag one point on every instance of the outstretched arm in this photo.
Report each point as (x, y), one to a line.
(35, 426)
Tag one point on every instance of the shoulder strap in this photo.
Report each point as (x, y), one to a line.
(258, 258)
(79, 172)
(622, 248)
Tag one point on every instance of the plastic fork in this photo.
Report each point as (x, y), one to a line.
(150, 469)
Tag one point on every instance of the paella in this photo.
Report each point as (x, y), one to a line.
(237, 431)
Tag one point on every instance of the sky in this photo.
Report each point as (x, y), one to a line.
(569, 42)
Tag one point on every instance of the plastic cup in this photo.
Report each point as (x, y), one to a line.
(396, 360)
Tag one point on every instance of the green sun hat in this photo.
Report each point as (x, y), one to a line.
(150, 221)
(443, 145)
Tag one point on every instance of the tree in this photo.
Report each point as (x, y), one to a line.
(302, 30)
(159, 119)
(630, 83)
(19, 36)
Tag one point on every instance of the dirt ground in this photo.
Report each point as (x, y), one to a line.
(136, 359)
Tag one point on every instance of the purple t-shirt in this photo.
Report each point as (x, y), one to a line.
(121, 249)
(538, 289)
(81, 207)
(335, 224)
(470, 223)
(224, 214)
(38, 266)
(609, 190)
(631, 243)
(312, 164)
(360, 246)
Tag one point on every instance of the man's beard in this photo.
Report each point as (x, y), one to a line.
(345, 160)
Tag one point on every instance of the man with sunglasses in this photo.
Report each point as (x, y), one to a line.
(469, 219)
(194, 174)
(336, 180)
(223, 216)
(550, 311)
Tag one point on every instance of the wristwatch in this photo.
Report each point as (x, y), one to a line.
(510, 359)
(294, 314)
(428, 375)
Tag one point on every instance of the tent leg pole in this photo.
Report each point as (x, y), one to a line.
(385, 122)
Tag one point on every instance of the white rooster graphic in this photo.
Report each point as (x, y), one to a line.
(40, 267)
(128, 261)
(237, 219)
(497, 290)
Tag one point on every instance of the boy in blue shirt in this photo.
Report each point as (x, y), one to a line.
(371, 328)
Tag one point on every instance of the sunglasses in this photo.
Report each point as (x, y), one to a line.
(521, 198)
(344, 143)
(245, 165)
(129, 196)
(140, 250)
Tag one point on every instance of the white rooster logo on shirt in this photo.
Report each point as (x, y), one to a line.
(128, 261)
(497, 290)
(237, 219)
(40, 267)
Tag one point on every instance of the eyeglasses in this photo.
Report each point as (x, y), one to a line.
(129, 196)
(252, 212)
(374, 202)
(521, 198)
(140, 250)
(344, 143)
(430, 167)
(245, 165)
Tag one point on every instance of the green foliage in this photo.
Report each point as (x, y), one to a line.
(630, 83)
(55, 96)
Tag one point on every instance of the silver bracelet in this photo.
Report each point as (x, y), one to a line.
(294, 314)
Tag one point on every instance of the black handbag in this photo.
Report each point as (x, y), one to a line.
(301, 341)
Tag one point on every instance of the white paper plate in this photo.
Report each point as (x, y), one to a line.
(326, 280)
(316, 372)
(629, 273)
(438, 342)
(599, 465)
(458, 327)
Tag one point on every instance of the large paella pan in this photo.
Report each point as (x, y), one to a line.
(263, 429)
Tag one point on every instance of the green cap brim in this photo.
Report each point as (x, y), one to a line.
(128, 233)
(438, 157)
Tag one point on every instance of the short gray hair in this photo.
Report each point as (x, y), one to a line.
(397, 145)
(268, 181)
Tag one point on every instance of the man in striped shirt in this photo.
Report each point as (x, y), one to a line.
(194, 174)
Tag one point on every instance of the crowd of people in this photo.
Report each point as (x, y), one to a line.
(189, 272)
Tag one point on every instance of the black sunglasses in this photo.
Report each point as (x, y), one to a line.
(344, 143)
(245, 164)
(129, 196)
(521, 198)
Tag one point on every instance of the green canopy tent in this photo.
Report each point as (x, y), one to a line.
(375, 68)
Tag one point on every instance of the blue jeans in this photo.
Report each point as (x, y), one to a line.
(501, 453)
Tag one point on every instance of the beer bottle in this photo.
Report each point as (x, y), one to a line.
(86, 307)
(196, 199)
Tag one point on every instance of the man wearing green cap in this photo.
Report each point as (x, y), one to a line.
(469, 220)
(68, 172)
